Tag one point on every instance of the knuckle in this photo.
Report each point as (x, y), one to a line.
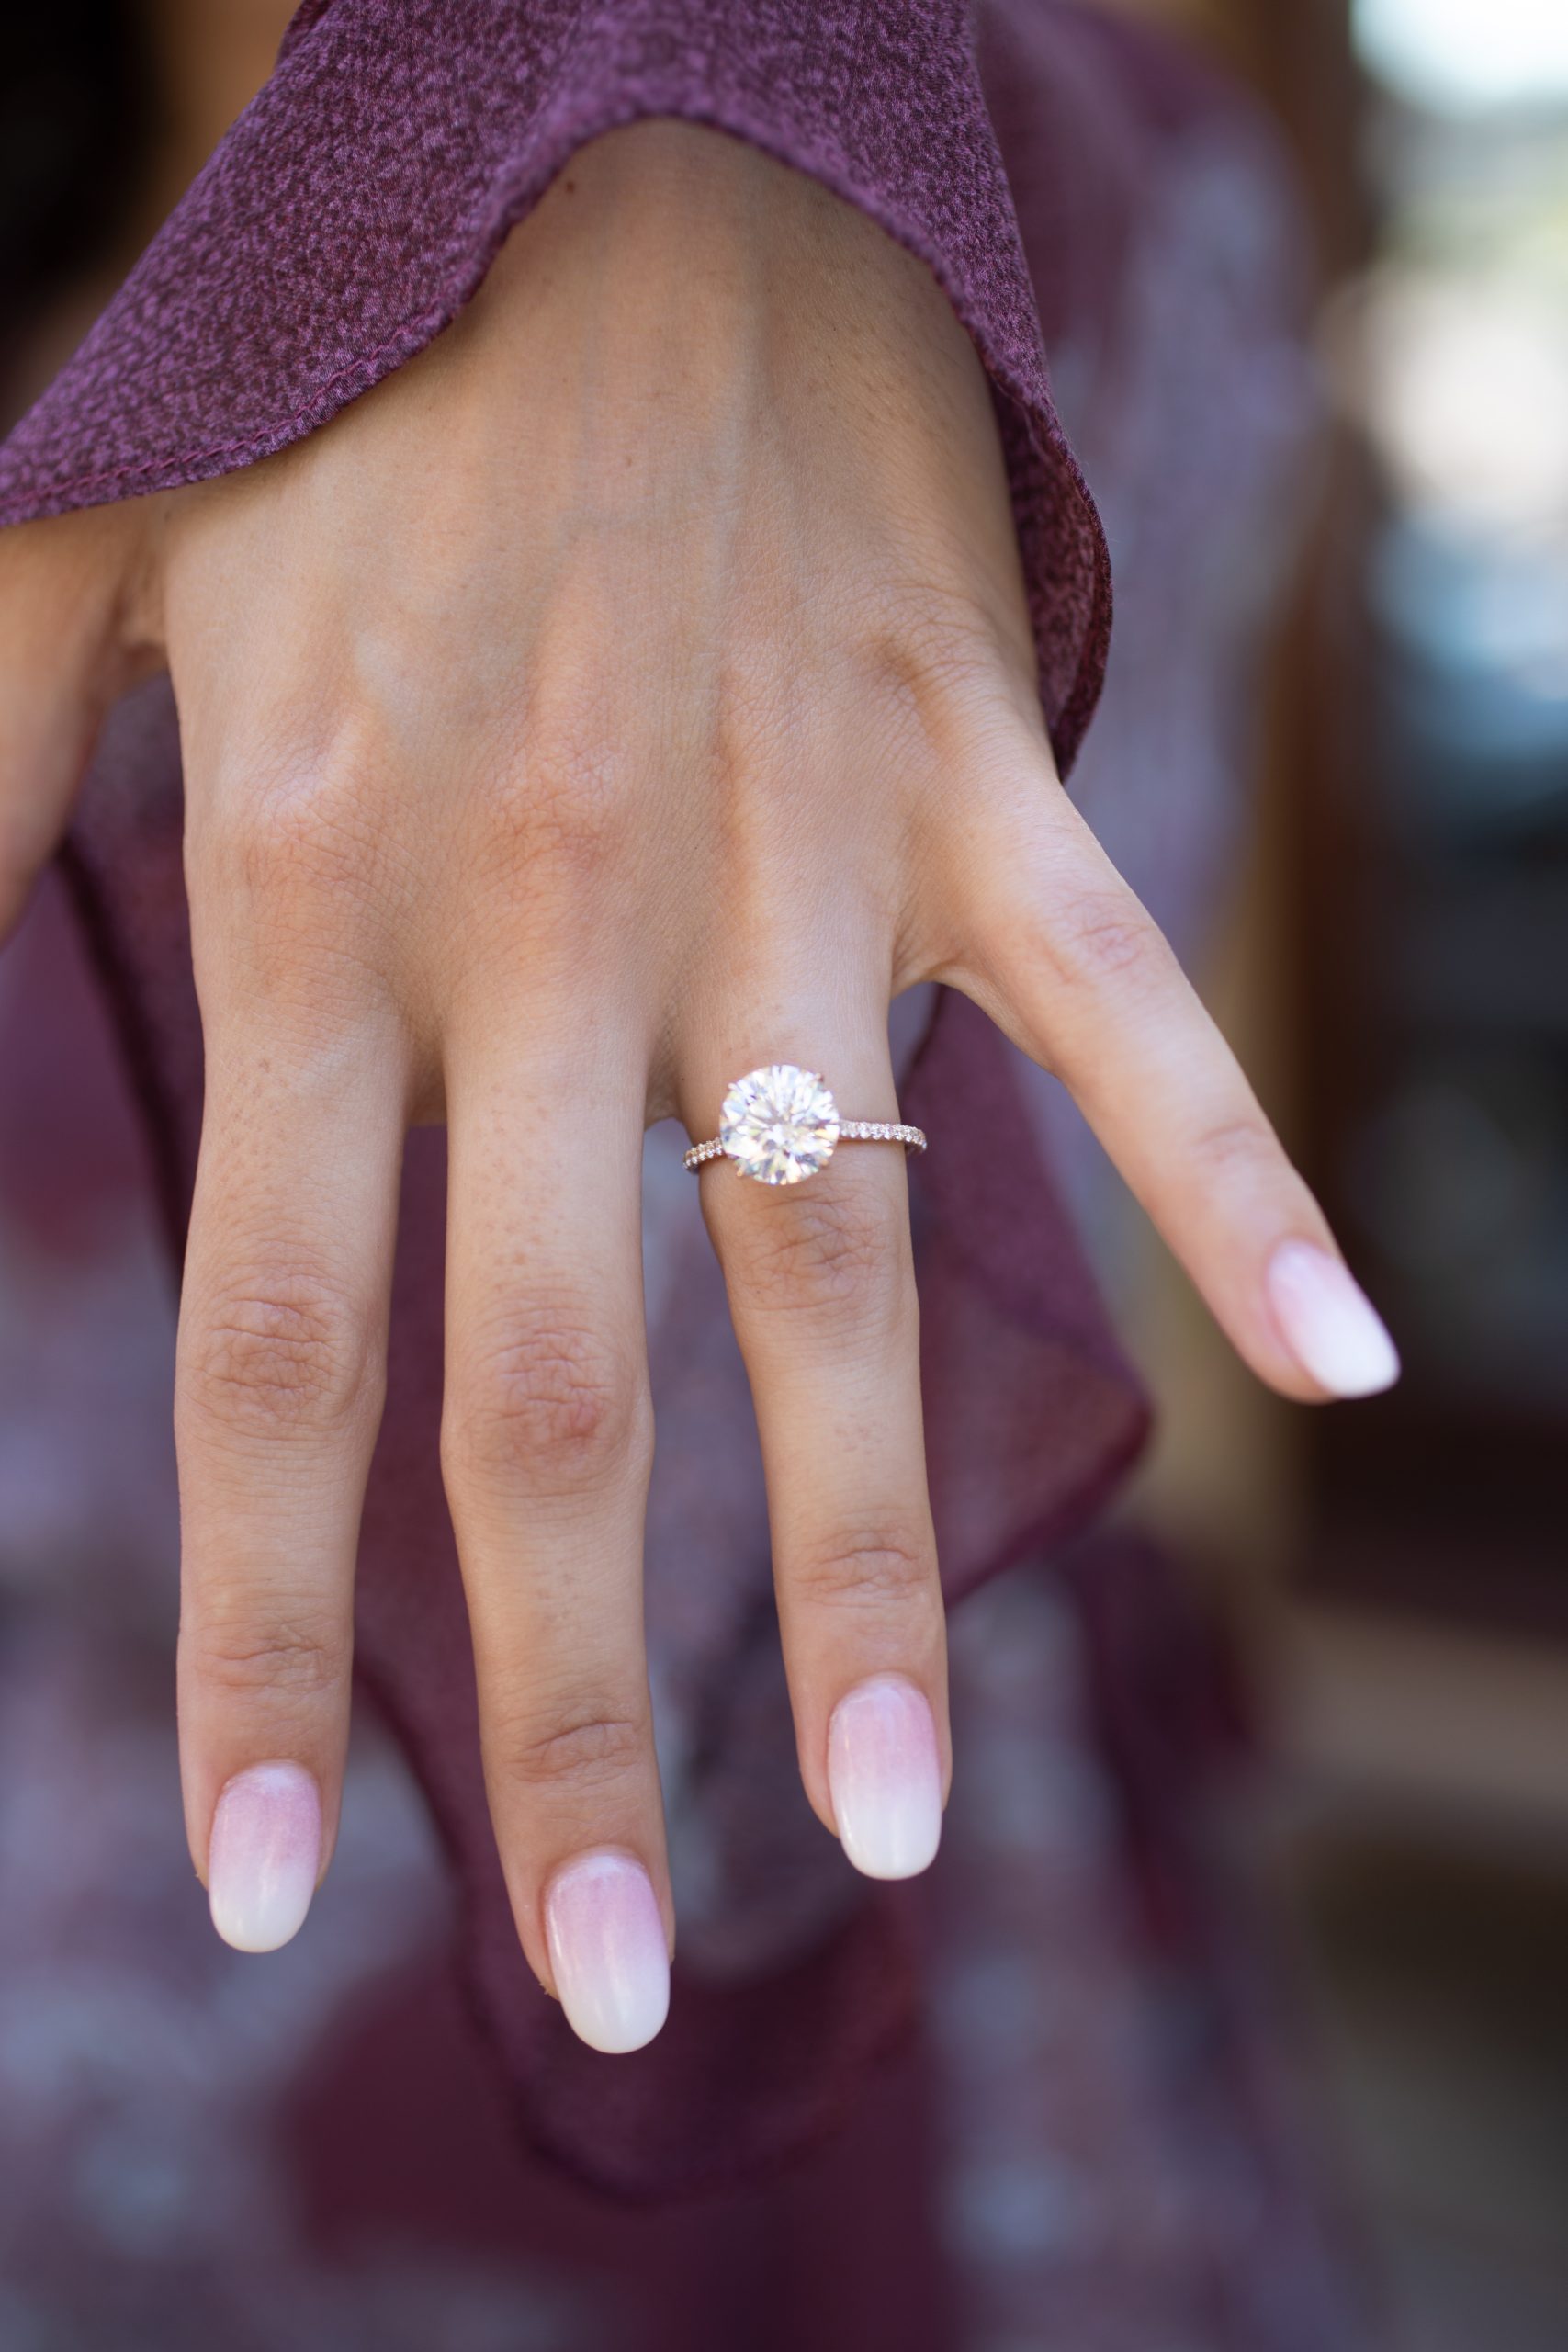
(303, 834)
(583, 1747)
(579, 793)
(886, 1564)
(1243, 1146)
(280, 1351)
(550, 1400)
(313, 885)
(932, 645)
(564, 805)
(1103, 940)
(832, 1254)
(240, 1653)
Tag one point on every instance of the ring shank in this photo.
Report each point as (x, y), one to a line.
(850, 1131)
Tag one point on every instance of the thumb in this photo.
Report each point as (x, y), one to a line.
(68, 646)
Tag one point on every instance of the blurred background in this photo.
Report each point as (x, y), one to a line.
(1393, 970)
(1397, 974)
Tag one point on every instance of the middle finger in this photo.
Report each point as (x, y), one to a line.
(546, 1445)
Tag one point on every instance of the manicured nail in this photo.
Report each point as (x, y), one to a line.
(264, 1855)
(607, 1948)
(1329, 1323)
(884, 1777)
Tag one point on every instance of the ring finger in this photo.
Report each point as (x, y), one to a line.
(821, 1278)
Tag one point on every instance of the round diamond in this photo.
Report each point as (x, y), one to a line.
(779, 1124)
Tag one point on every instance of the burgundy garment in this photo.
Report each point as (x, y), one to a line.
(359, 202)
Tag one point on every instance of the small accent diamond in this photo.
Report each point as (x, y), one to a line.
(779, 1124)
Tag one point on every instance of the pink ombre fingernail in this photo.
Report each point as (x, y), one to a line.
(884, 1777)
(264, 1856)
(1327, 1322)
(608, 1952)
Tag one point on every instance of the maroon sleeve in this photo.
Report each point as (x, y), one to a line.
(359, 202)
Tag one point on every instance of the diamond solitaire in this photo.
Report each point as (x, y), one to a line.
(781, 1124)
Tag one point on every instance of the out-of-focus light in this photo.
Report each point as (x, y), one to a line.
(1461, 55)
(1481, 614)
(1462, 382)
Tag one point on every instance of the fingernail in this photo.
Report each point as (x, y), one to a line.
(264, 1855)
(607, 1948)
(1329, 1323)
(884, 1777)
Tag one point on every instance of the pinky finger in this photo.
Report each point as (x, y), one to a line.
(1079, 974)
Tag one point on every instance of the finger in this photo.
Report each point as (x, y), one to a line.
(821, 1288)
(63, 657)
(546, 1445)
(1075, 970)
(279, 1382)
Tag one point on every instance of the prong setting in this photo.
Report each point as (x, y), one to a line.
(780, 1124)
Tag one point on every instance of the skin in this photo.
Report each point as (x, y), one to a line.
(636, 688)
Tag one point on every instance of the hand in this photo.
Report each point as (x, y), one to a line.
(634, 688)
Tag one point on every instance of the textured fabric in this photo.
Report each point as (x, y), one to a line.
(356, 204)
(1084, 2141)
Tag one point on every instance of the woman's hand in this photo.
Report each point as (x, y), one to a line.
(633, 689)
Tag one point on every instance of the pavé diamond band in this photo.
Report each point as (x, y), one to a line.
(781, 1124)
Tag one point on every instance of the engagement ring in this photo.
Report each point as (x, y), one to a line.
(781, 1124)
